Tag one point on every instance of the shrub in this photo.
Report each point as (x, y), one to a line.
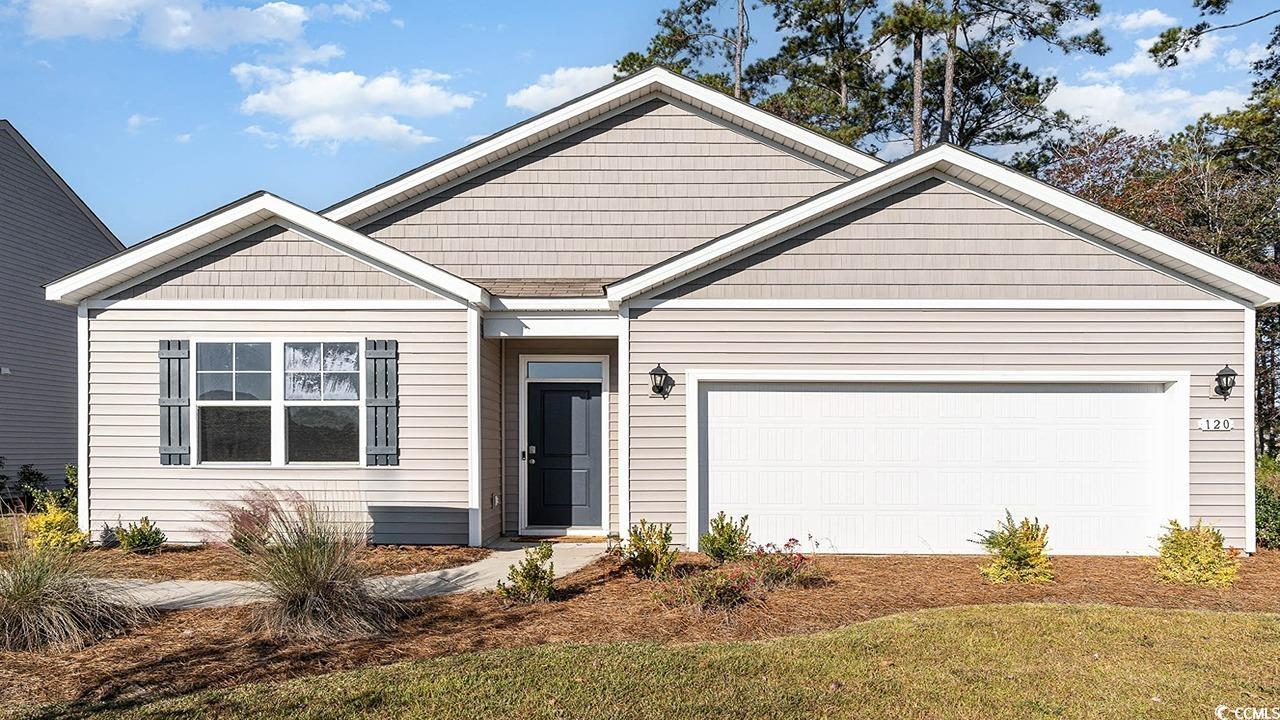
(1196, 556)
(723, 589)
(779, 567)
(531, 578)
(243, 524)
(648, 551)
(1017, 552)
(308, 563)
(726, 540)
(55, 528)
(31, 485)
(1267, 492)
(49, 598)
(143, 537)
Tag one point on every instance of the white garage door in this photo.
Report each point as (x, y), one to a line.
(922, 468)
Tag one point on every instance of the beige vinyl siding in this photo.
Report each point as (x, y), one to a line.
(512, 350)
(44, 234)
(275, 264)
(935, 240)
(607, 201)
(423, 500)
(490, 439)
(1198, 342)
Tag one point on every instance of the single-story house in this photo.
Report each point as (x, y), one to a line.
(656, 302)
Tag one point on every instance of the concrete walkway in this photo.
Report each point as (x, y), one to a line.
(482, 575)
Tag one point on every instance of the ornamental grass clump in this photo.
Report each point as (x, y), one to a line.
(648, 551)
(531, 579)
(1196, 555)
(243, 524)
(726, 539)
(51, 599)
(1017, 551)
(316, 587)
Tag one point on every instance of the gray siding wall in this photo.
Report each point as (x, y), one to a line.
(935, 240)
(43, 235)
(604, 202)
(1198, 342)
(512, 351)
(423, 500)
(490, 438)
(275, 264)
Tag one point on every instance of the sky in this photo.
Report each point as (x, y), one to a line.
(157, 111)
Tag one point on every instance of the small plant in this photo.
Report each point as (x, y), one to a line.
(142, 538)
(531, 578)
(722, 589)
(55, 528)
(244, 524)
(31, 486)
(781, 567)
(648, 551)
(4, 485)
(1267, 493)
(49, 598)
(1196, 556)
(725, 539)
(1017, 551)
(108, 538)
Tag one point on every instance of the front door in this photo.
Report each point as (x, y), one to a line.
(563, 457)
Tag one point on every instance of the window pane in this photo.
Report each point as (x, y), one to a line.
(253, 356)
(341, 357)
(323, 434)
(213, 356)
(302, 356)
(564, 370)
(302, 386)
(342, 386)
(253, 386)
(235, 434)
(213, 386)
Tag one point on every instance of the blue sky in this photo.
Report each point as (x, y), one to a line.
(159, 110)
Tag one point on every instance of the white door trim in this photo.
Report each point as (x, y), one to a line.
(603, 381)
(1177, 394)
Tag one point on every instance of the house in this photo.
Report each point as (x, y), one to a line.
(46, 231)
(656, 302)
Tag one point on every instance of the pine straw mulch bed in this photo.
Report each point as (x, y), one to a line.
(199, 649)
(216, 562)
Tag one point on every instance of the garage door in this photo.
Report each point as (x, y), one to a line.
(922, 468)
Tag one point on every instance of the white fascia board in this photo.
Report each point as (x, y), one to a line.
(487, 151)
(551, 325)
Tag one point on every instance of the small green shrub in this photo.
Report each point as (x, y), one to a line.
(31, 485)
(530, 579)
(781, 567)
(1267, 493)
(725, 539)
(56, 528)
(142, 538)
(723, 589)
(1196, 556)
(648, 551)
(1017, 551)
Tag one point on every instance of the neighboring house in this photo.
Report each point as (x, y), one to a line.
(46, 231)
(881, 356)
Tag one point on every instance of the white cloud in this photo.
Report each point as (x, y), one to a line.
(1244, 58)
(330, 108)
(1162, 110)
(560, 86)
(1140, 63)
(269, 139)
(137, 121)
(397, 22)
(182, 138)
(1144, 19)
(352, 11)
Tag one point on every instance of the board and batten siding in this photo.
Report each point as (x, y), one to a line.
(422, 500)
(512, 350)
(935, 240)
(1198, 342)
(607, 201)
(274, 263)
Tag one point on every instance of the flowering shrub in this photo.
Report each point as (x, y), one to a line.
(780, 567)
(1196, 556)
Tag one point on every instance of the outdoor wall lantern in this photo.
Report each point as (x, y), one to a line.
(1226, 380)
(660, 381)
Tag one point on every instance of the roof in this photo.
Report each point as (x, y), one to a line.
(534, 288)
(1048, 203)
(566, 118)
(40, 162)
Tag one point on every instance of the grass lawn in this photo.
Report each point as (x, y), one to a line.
(988, 662)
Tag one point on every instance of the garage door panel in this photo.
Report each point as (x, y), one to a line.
(926, 467)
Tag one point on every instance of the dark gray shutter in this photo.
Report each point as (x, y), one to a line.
(382, 402)
(175, 402)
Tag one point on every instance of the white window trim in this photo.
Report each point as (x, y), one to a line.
(603, 380)
(278, 404)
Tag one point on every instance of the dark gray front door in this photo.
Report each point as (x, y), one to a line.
(563, 456)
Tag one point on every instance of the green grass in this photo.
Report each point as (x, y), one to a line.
(1012, 661)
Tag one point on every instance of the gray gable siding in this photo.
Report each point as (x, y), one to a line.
(274, 264)
(45, 232)
(607, 201)
(936, 240)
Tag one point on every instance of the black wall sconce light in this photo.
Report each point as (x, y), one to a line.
(660, 381)
(1225, 381)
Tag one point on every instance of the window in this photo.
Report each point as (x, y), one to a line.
(322, 395)
(233, 394)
